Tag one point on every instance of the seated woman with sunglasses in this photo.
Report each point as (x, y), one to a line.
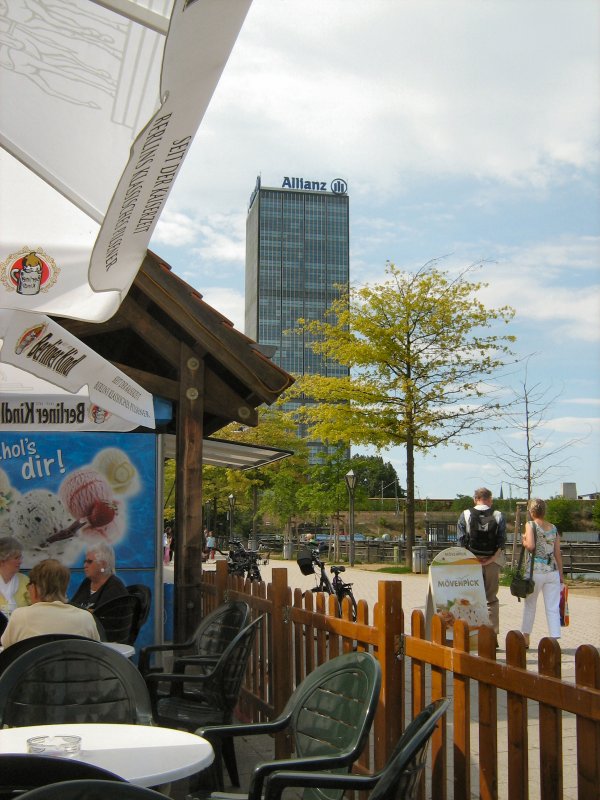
(100, 583)
(49, 611)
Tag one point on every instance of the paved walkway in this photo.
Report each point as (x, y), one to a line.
(584, 610)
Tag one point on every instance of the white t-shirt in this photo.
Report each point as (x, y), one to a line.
(54, 617)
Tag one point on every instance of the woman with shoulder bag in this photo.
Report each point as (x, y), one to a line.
(542, 542)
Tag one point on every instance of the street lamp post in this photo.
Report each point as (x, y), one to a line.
(351, 484)
(231, 499)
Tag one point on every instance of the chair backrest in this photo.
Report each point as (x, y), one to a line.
(119, 618)
(219, 628)
(20, 772)
(223, 689)
(332, 709)
(400, 777)
(144, 595)
(72, 680)
(92, 790)
(18, 648)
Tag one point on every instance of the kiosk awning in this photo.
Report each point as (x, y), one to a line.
(233, 455)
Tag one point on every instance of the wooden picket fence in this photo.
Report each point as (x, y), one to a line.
(488, 734)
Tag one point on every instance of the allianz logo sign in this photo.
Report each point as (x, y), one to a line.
(338, 185)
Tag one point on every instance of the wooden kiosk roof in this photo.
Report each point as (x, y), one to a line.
(176, 346)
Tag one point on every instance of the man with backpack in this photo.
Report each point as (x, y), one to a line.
(482, 530)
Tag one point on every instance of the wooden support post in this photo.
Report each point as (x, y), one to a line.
(188, 486)
(281, 641)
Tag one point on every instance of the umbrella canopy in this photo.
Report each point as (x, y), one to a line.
(99, 105)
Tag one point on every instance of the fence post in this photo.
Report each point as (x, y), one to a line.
(281, 650)
(587, 673)
(221, 582)
(390, 622)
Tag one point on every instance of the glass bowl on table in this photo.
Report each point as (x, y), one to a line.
(54, 745)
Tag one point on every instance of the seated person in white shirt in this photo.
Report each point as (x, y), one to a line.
(49, 611)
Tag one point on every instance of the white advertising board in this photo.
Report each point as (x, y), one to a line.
(456, 589)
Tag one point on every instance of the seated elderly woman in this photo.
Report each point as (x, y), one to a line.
(100, 583)
(13, 584)
(49, 611)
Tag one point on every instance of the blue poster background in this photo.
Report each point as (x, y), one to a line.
(50, 481)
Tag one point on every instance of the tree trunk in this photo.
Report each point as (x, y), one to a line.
(410, 500)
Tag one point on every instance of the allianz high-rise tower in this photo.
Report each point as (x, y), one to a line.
(297, 255)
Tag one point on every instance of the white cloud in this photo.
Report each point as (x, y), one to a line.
(379, 91)
(228, 302)
(585, 401)
(579, 426)
(175, 229)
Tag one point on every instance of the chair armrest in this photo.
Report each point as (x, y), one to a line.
(267, 768)
(243, 729)
(278, 781)
(180, 664)
(146, 652)
(176, 677)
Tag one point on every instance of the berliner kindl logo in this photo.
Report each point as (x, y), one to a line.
(339, 186)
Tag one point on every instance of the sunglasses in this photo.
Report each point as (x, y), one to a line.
(88, 561)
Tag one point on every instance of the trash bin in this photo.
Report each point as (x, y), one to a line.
(287, 550)
(419, 559)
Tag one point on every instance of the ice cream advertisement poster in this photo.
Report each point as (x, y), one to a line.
(456, 588)
(60, 493)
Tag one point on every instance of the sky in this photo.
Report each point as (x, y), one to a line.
(467, 130)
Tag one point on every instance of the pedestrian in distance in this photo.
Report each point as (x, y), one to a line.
(482, 530)
(542, 542)
(211, 544)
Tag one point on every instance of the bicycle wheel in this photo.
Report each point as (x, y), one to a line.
(348, 593)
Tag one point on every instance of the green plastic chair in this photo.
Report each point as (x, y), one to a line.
(399, 780)
(328, 716)
(212, 636)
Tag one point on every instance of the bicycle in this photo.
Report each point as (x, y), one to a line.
(308, 559)
(244, 563)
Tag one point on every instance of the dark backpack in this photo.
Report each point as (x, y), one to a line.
(483, 532)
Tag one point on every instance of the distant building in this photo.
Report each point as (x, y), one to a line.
(297, 253)
(569, 490)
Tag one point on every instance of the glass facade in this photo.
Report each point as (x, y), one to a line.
(297, 253)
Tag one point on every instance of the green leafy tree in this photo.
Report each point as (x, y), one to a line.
(596, 512)
(376, 477)
(560, 512)
(462, 502)
(420, 350)
(272, 489)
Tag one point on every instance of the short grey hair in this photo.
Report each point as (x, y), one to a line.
(103, 552)
(482, 494)
(10, 548)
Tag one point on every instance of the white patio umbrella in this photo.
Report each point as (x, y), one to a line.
(99, 103)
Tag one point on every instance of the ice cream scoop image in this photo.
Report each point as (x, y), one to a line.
(8, 498)
(90, 499)
(118, 470)
(86, 491)
(43, 526)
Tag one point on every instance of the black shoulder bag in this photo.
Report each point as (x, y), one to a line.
(520, 586)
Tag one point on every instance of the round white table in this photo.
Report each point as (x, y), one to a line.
(127, 650)
(142, 754)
